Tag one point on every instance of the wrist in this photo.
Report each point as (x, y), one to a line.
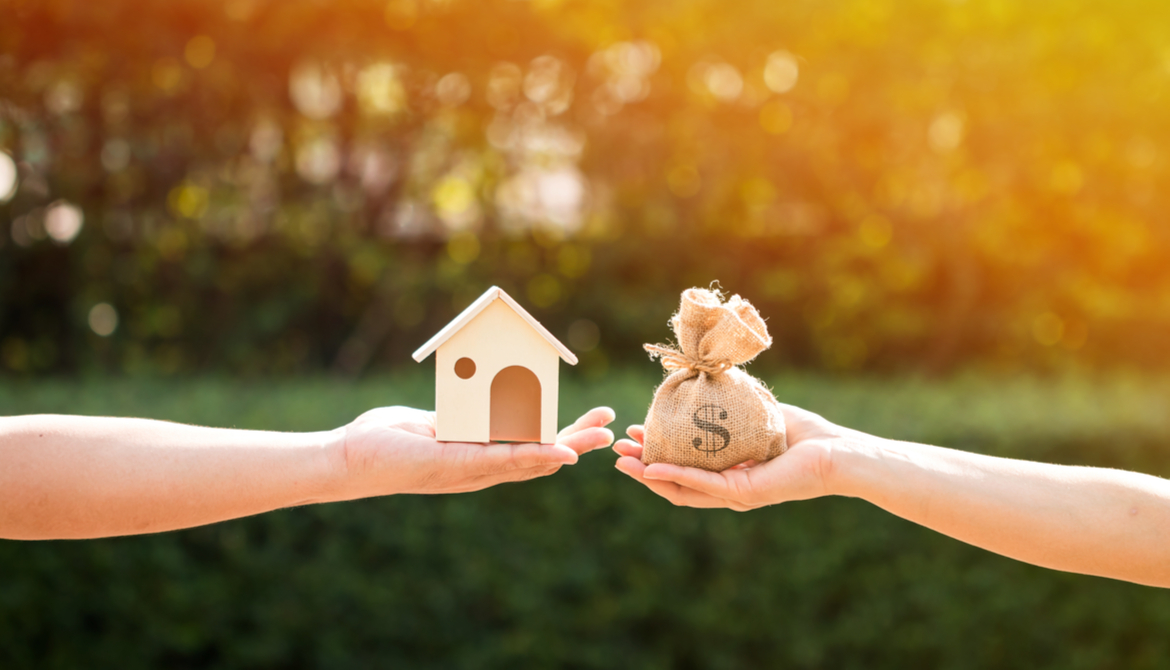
(852, 459)
(336, 477)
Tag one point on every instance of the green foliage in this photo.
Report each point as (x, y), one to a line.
(298, 185)
(587, 569)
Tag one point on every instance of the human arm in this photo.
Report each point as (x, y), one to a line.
(1096, 521)
(71, 477)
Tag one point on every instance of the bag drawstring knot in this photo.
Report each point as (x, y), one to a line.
(673, 359)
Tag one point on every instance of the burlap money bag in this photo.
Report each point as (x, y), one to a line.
(708, 413)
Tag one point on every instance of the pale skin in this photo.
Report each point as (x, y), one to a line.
(1094, 521)
(73, 477)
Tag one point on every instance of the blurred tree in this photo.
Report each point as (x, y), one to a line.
(280, 186)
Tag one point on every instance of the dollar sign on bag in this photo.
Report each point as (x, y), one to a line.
(705, 418)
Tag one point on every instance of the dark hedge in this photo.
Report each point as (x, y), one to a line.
(585, 569)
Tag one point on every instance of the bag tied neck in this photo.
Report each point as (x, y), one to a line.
(713, 336)
(673, 359)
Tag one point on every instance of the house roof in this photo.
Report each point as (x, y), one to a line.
(492, 294)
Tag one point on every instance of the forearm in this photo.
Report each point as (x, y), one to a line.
(1095, 521)
(83, 477)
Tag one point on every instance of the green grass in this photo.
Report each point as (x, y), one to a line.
(587, 569)
(1018, 415)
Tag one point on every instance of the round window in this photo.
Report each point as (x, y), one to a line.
(464, 368)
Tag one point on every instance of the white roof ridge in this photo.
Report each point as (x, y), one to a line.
(473, 310)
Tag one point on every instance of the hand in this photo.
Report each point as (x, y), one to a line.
(393, 450)
(798, 474)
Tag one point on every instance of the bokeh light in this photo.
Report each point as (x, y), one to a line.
(167, 75)
(584, 335)
(8, 177)
(200, 51)
(188, 200)
(721, 80)
(115, 155)
(544, 290)
(379, 90)
(103, 319)
(314, 90)
(318, 160)
(266, 140)
(781, 72)
(455, 201)
(463, 248)
(64, 97)
(625, 69)
(1048, 329)
(946, 132)
(63, 222)
(453, 89)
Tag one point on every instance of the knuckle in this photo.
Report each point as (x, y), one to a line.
(521, 460)
(745, 494)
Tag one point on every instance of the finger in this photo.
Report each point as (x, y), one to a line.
(634, 468)
(677, 495)
(487, 459)
(428, 421)
(532, 473)
(480, 482)
(638, 433)
(729, 485)
(597, 417)
(408, 419)
(628, 448)
(523, 475)
(587, 440)
(798, 413)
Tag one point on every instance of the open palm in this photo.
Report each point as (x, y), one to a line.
(393, 450)
(798, 474)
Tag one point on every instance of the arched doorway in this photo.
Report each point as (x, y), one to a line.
(515, 406)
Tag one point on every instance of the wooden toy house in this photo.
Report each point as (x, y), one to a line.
(496, 373)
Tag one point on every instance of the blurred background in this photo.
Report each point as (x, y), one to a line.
(250, 212)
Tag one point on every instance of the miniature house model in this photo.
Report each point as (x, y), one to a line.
(496, 374)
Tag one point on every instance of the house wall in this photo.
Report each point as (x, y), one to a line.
(495, 339)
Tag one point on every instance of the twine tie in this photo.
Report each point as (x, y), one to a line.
(673, 359)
